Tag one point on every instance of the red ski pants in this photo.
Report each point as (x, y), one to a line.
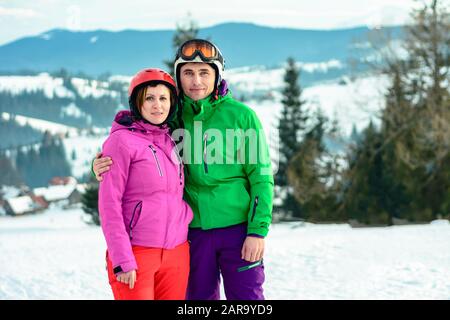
(162, 274)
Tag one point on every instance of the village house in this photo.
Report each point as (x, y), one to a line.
(23, 205)
(61, 190)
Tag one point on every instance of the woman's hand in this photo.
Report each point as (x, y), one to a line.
(101, 165)
(127, 278)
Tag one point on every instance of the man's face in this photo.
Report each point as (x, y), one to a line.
(197, 80)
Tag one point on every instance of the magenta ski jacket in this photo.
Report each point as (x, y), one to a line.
(141, 196)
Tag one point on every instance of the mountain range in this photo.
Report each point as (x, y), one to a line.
(125, 52)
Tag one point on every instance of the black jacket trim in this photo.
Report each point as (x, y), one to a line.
(117, 269)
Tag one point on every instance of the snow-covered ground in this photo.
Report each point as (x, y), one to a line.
(55, 255)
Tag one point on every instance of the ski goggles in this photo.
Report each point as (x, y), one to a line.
(205, 49)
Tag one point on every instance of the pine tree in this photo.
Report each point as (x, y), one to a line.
(429, 44)
(89, 202)
(354, 136)
(396, 115)
(38, 165)
(290, 127)
(313, 172)
(185, 30)
(417, 117)
(10, 176)
(364, 180)
(399, 171)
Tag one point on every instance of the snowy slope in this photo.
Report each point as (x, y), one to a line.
(354, 103)
(80, 145)
(92, 88)
(261, 78)
(55, 255)
(41, 125)
(83, 148)
(53, 86)
(43, 82)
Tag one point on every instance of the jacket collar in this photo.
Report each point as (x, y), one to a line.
(123, 120)
(203, 109)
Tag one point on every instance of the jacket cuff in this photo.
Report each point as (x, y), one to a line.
(255, 235)
(257, 231)
(92, 168)
(125, 267)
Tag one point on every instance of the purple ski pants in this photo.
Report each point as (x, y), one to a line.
(218, 251)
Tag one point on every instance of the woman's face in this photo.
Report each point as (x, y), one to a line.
(156, 105)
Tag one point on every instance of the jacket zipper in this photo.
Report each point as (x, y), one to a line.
(205, 164)
(253, 265)
(255, 204)
(139, 204)
(156, 159)
(180, 167)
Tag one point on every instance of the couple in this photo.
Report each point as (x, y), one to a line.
(163, 244)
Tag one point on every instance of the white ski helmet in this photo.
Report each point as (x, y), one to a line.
(199, 50)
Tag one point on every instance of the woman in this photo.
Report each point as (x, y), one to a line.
(143, 215)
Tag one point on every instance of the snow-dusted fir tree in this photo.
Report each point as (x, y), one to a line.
(89, 202)
(185, 30)
(10, 176)
(292, 123)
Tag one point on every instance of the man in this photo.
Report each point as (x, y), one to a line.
(231, 199)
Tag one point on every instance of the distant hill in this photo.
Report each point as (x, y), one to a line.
(125, 52)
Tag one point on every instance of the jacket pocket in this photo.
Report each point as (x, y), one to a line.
(251, 266)
(136, 213)
(255, 204)
(156, 160)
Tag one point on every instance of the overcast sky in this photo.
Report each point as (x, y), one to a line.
(19, 18)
